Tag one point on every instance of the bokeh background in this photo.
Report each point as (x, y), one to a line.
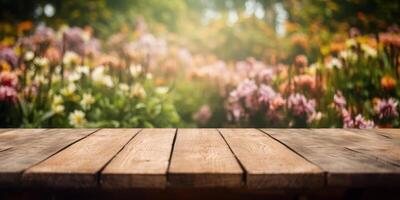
(199, 63)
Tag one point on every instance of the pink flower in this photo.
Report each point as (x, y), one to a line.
(305, 81)
(203, 115)
(361, 122)
(266, 75)
(387, 108)
(8, 94)
(301, 61)
(300, 106)
(8, 79)
(347, 120)
(236, 112)
(339, 100)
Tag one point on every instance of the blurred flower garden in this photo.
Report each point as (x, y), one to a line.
(187, 63)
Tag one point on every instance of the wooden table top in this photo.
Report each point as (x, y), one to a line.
(200, 158)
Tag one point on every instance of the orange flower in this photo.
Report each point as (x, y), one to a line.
(388, 83)
(337, 46)
(24, 26)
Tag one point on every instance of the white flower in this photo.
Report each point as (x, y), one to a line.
(83, 69)
(149, 76)
(348, 55)
(69, 90)
(58, 109)
(29, 55)
(99, 77)
(41, 62)
(74, 76)
(77, 118)
(70, 58)
(135, 70)
(87, 101)
(41, 79)
(123, 87)
(161, 90)
(369, 51)
(138, 91)
(334, 62)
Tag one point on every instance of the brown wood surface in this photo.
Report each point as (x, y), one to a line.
(344, 166)
(205, 158)
(78, 165)
(365, 142)
(201, 158)
(25, 147)
(268, 163)
(393, 133)
(143, 163)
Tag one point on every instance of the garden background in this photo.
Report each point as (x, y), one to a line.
(199, 63)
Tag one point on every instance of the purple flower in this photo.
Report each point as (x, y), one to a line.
(266, 94)
(74, 40)
(245, 88)
(8, 94)
(43, 35)
(300, 106)
(387, 108)
(203, 115)
(8, 55)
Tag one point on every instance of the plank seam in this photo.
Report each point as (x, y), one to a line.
(170, 157)
(61, 149)
(98, 173)
(244, 175)
(372, 156)
(291, 149)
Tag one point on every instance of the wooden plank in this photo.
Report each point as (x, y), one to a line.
(201, 158)
(143, 163)
(393, 133)
(268, 163)
(2, 130)
(345, 167)
(364, 141)
(26, 147)
(78, 165)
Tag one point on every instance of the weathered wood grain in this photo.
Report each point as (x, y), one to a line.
(345, 167)
(268, 163)
(393, 133)
(364, 141)
(2, 130)
(201, 158)
(143, 163)
(78, 165)
(26, 147)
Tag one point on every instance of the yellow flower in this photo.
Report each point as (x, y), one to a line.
(87, 101)
(77, 118)
(57, 100)
(69, 90)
